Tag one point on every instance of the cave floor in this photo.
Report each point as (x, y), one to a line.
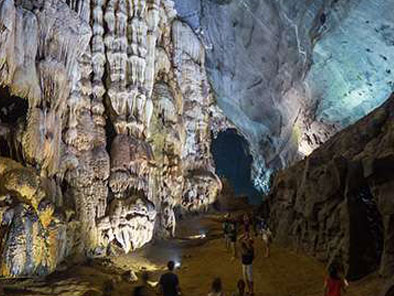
(285, 273)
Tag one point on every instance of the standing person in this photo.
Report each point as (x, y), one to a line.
(246, 221)
(226, 230)
(241, 286)
(232, 233)
(267, 235)
(216, 289)
(260, 226)
(143, 290)
(169, 282)
(248, 255)
(334, 285)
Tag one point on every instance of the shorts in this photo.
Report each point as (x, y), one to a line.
(265, 238)
(247, 272)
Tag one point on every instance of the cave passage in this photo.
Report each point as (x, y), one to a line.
(13, 113)
(233, 162)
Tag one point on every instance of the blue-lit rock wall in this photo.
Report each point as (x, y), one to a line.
(290, 74)
(353, 66)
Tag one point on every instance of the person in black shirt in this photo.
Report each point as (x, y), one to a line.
(247, 258)
(144, 289)
(232, 234)
(226, 230)
(169, 283)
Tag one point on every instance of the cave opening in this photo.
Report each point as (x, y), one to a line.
(110, 134)
(234, 163)
(366, 234)
(13, 114)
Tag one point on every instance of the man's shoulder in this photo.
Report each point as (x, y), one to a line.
(169, 274)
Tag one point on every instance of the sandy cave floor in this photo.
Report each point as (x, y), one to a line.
(285, 273)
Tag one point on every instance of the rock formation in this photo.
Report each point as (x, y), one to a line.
(107, 114)
(34, 237)
(290, 74)
(337, 203)
(116, 131)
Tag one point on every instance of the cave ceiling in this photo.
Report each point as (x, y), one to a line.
(109, 107)
(290, 74)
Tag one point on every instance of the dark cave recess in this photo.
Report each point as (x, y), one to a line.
(13, 113)
(234, 163)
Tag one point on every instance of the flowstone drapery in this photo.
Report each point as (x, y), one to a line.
(116, 133)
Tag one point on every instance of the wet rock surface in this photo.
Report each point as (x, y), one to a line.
(337, 203)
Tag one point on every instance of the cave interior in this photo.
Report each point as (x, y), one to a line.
(132, 132)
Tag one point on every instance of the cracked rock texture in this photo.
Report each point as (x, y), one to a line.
(337, 203)
(106, 125)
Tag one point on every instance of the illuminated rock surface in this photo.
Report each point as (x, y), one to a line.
(107, 109)
(290, 74)
(275, 276)
(337, 203)
(115, 133)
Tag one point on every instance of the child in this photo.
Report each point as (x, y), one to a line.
(266, 234)
(334, 285)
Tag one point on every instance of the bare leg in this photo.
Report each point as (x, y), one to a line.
(246, 278)
(251, 291)
(234, 245)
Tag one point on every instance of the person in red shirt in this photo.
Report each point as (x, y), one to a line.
(334, 285)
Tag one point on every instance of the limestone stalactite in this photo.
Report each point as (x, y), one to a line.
(107, 114)
(86, 67)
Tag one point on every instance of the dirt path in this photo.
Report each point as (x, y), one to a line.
(285, 273)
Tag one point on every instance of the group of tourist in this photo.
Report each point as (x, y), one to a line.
(168, 284)
(230, 233)
(260, 228)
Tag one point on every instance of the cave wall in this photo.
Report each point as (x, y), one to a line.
(337, 203)
(117, 131)
(120, 109)
(290, 74)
